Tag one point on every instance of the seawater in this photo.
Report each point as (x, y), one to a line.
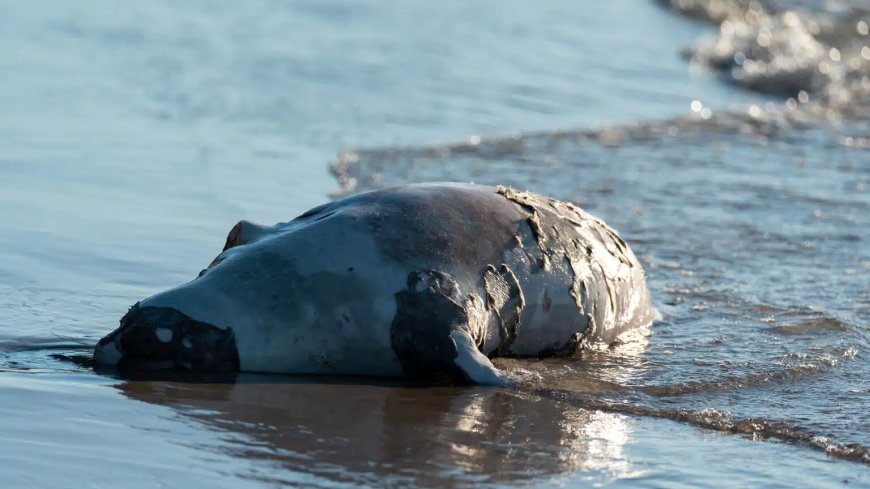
(133, 136)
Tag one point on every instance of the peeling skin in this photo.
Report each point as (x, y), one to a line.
(486, 338)
(608, 284)
(505, 300)
(558, 252)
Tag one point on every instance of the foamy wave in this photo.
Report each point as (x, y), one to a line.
(815, 53)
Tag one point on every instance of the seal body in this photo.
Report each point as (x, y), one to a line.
(414, 280)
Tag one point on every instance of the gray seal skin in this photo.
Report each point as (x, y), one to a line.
(419, 280)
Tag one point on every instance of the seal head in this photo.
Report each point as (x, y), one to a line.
(151, 338)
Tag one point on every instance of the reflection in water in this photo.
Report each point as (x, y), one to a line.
(367, 433)
(597, 369)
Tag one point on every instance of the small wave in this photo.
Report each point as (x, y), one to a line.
(36, 343)
(711, 419)
(821, 326)
(789, 373)
(761, 429)
(478, 158)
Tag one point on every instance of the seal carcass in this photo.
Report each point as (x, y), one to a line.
(415, 280)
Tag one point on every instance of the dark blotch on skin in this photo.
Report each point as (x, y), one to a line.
(574, 343)
(194, 345)
(426, 311)
(233, 237)
(547, 302)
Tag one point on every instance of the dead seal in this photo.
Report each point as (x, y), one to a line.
(415, 280)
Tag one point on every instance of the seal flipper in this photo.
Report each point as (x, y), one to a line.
(429, 333)
(474, 364)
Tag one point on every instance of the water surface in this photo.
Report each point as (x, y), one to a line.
(132, 138)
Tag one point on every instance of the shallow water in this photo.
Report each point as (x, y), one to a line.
(133, 139)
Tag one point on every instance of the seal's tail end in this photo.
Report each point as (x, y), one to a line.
(475, 364)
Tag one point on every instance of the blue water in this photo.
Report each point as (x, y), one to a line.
(133, 136)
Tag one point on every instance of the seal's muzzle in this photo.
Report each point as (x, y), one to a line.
(152, 338)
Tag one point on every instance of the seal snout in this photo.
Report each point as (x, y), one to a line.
(152, 338)
(107, 352)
